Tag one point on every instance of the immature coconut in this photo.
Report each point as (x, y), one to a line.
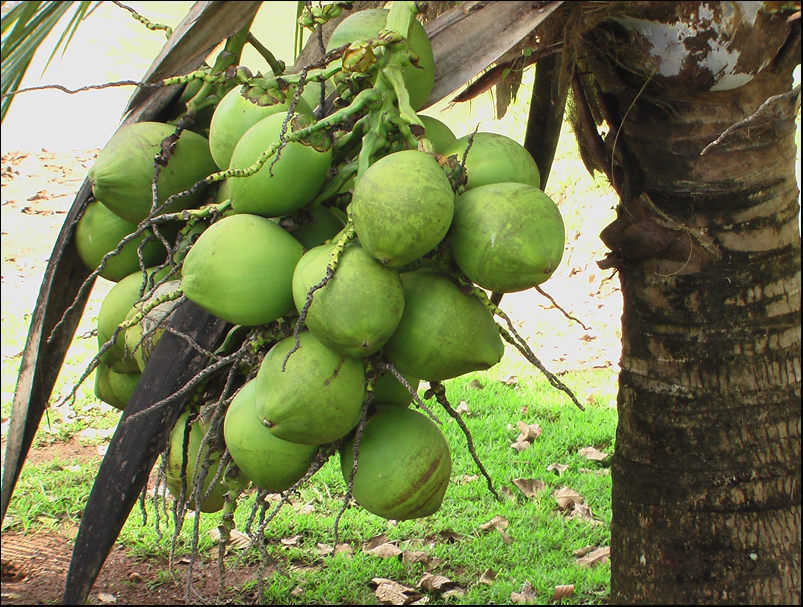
(402, 207)
(419, 78)
(507, 237)
(141, 338)
(241, 270)
(288, 180)
(114, 388)
(358, 309)
(99, 231)
(388, 389)
(122, 175)
(181, 451)
(113, 311)
(494, 158)
(241, 108)
(403, 464)
(443, 332)
(271, 463)
(318, 396)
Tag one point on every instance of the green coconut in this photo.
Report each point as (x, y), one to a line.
(388, 390)
(507, 237)
(99, 231)
(114, 388)
(443, 332)
(280, 187)
(317, 399)
(337, 315)
(494, 158)
(403, 464)
(241, 270)
(240, 109)
(113, 311)
(231, 479)
(402, 207)
(317, 226)
(122, 175)
(367, 24)
(438, 133)
(271, 463)
(141, 338)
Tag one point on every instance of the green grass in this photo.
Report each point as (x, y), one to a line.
(542, 539)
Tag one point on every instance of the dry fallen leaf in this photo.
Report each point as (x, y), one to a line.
(595, 557)
(385, 551)
(414, 556)
(466, 478)
(497, 522)
(530, 487)
(529, 432)
(584, 550)
(462, 408)
(561, 592)
(393, 593)
(559, 468)
(450, 536)
(435, 583)
(520, 445)
(593, 454)
(567, 498)
(375, 541)
(476, 384)
(488, 577)
(106, 598)
(510, 380)
(343, 548)
(508, 493)
(583, 513)
(237, 539)
(297, 592)
(292, 541)
(526, 595)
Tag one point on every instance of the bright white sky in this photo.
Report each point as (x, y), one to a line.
(109, 46)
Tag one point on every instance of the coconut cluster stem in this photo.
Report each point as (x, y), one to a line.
(347, 235)
(438, 390)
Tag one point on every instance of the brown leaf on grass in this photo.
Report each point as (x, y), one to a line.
(520, 445)
(567, 498)
(510, 380)
(527, 594)
(476, 384)
(462, 408)
(297, 592)
(488, 577)
(375, 541)
(343, 548)
(497, 522)
(450, 536)
(563, 591)
(559, 468)
(508, 493)
(598, 472)
(385, 551)
(530, 487)
(583, 513)
(466, 478)
(291, 541)
(392, 593)
(414, 556)
(593, 454)
(584, 550)
(528, 432)
(595, 557)
(435, 583)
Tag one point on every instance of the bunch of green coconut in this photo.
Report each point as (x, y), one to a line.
(378, 270)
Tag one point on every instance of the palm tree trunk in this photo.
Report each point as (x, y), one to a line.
(706, 473)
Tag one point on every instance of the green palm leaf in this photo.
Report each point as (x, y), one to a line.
(25, 25)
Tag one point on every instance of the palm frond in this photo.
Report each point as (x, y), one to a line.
(25, 25)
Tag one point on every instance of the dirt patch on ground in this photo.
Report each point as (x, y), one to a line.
(34, 571)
